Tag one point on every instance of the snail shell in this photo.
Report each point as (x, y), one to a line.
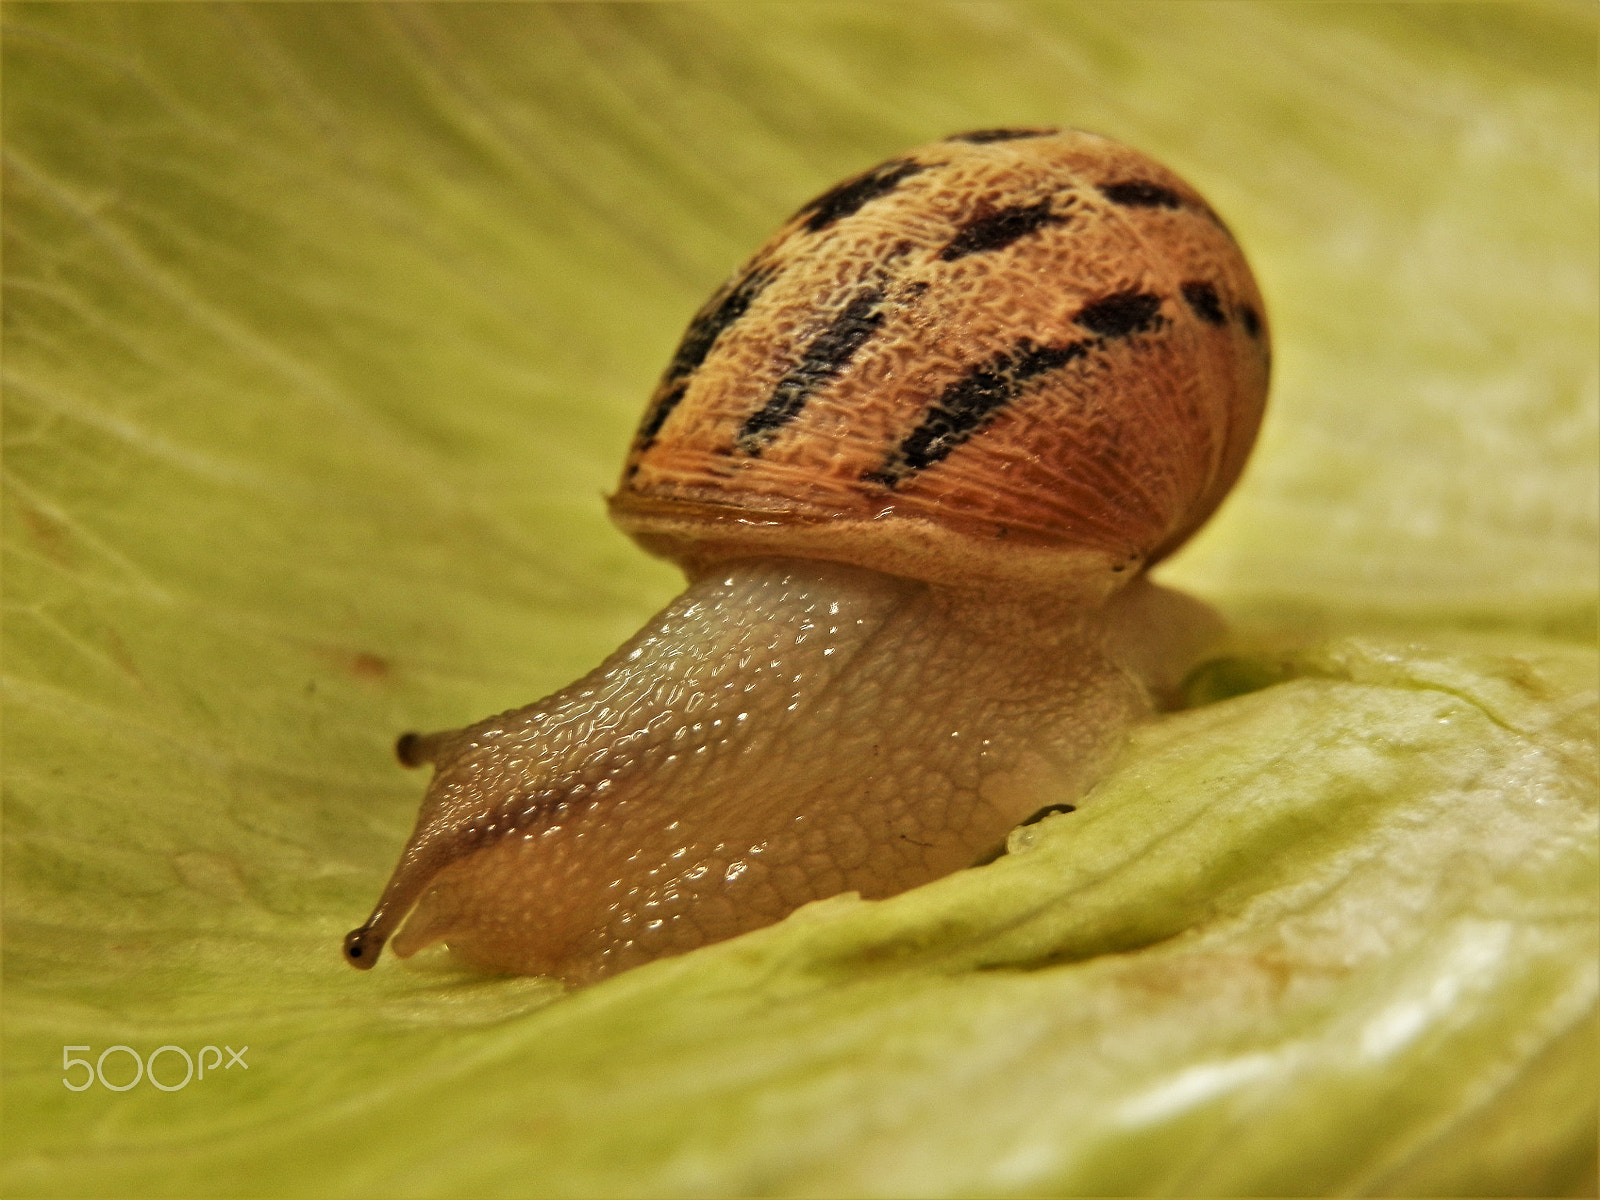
(914, 458)
(1018, 355)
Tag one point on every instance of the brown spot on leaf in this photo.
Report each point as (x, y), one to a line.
(49, 535)
(365, 665)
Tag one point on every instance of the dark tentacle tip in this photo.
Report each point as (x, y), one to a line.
(361, 948)
(411, 749)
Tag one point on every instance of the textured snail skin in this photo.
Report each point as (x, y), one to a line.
(783, 731)
(914, 458)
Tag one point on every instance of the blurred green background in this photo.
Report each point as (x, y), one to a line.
(325, 327)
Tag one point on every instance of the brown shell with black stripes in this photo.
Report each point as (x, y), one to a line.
(1030, 355)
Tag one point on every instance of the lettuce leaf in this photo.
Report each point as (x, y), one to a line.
(324, 326)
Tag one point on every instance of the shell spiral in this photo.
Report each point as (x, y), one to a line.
(1026, 354)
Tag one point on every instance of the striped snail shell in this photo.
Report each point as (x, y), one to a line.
(914, 458)
(1015, 354)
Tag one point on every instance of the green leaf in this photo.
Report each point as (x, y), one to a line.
(324, 328)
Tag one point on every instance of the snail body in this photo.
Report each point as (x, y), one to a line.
(914, 459)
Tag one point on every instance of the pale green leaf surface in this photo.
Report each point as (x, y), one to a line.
(324, 329)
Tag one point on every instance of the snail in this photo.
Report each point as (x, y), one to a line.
(915, 459)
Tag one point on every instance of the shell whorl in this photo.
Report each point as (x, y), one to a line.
(1017, 354)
